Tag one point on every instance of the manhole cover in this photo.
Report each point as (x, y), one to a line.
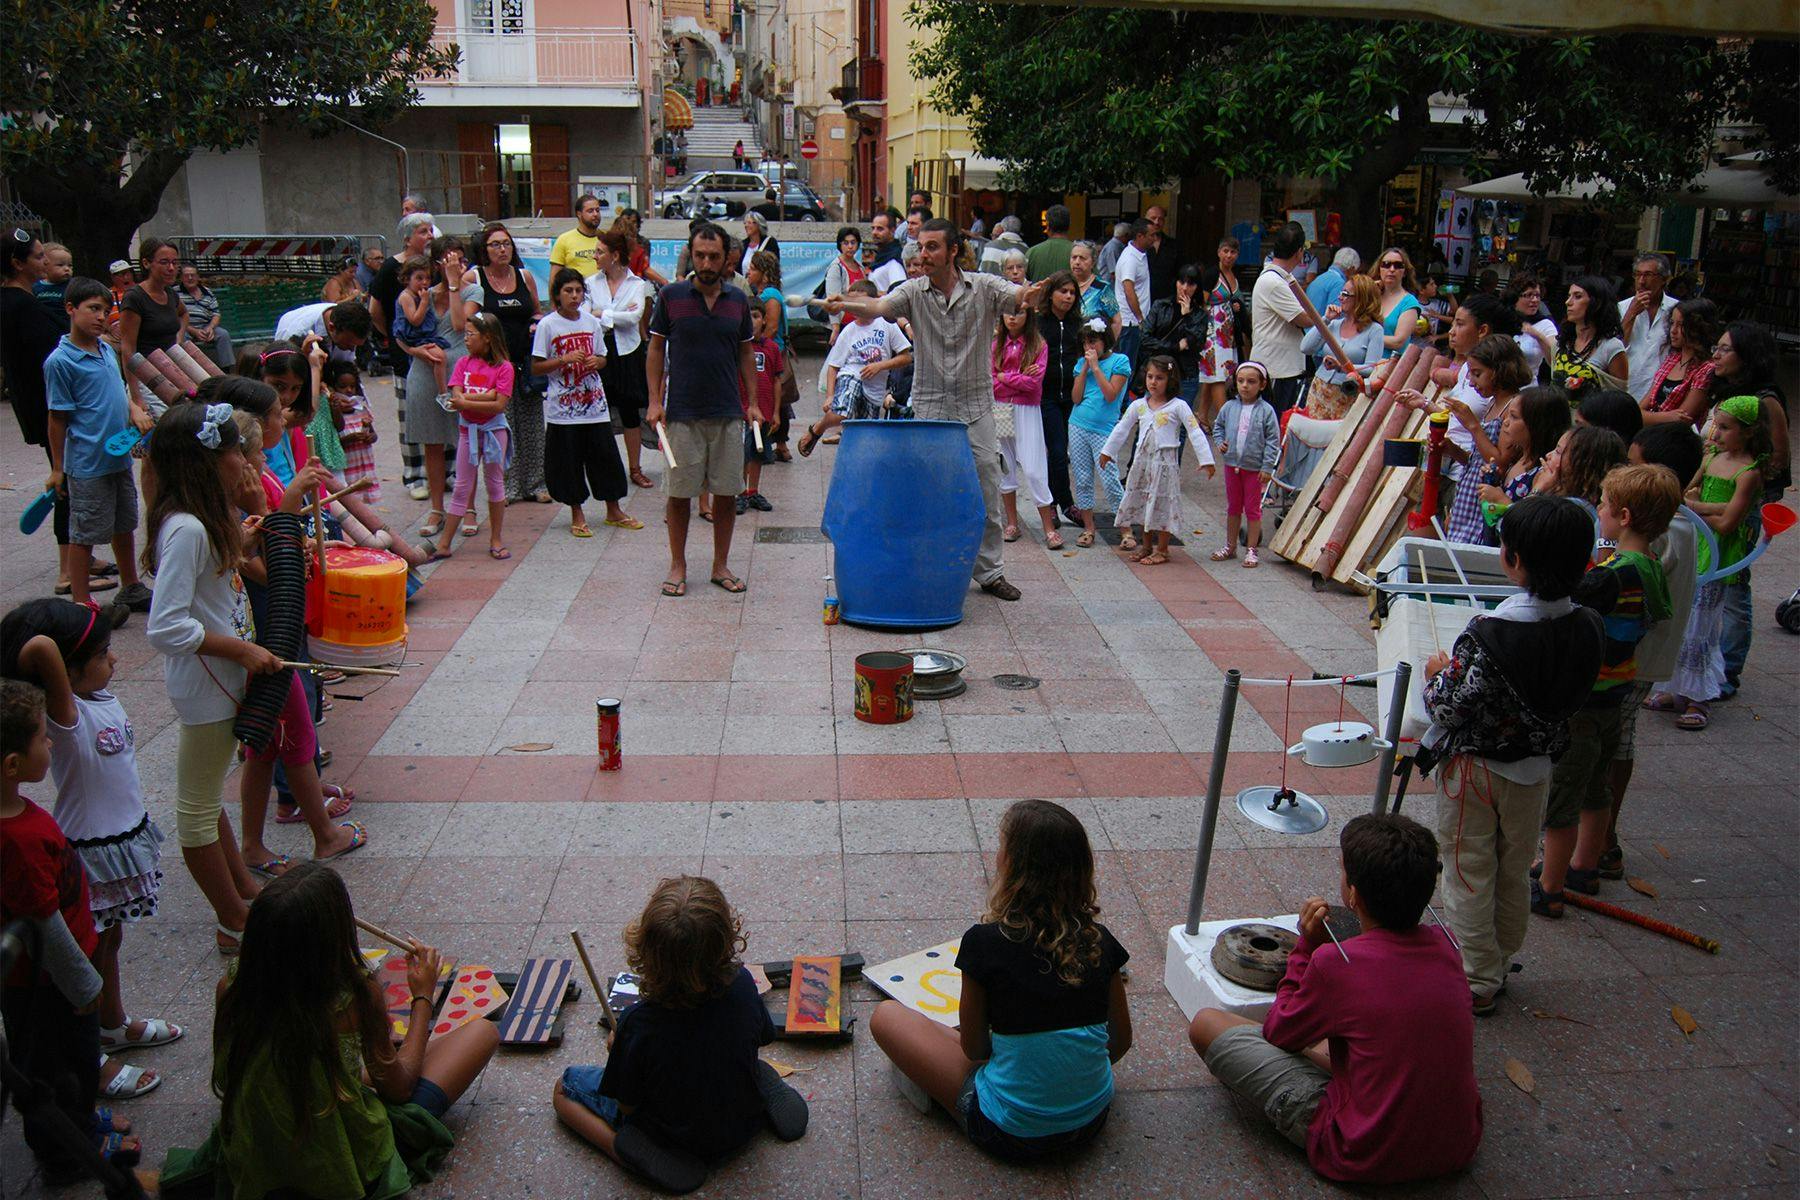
(792, 535)
(1016, 683)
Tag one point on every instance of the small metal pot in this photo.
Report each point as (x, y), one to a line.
(1338, 744)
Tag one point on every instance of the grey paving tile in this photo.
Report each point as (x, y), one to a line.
(774, 827)
(673, 827)
(906, 826)
(506, 830)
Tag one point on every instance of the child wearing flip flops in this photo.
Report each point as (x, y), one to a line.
(65, 649)
(580, 456)
(682, 1083)
(481, 388)
(1248, 431)
(49, 998)
(1154, 423)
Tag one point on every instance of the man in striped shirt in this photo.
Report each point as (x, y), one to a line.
(953, 318)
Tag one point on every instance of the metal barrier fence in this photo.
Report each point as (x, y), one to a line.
(286, 254)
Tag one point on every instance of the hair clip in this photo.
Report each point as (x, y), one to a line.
(211, 421)
(1097, 325)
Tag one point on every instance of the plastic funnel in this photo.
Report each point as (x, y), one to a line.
(1777, 519)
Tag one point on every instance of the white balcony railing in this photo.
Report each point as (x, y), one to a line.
(552, 57)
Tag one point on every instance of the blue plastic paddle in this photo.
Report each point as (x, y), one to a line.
(36, 511)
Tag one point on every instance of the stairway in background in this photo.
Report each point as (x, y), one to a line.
(715, 132)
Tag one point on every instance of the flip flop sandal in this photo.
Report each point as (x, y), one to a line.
(276, 867)
(1662, 702)
(234, 936)
(103, 1121)
(437, 556)
(725, 582)
(627, 523)
(104, 569)
(808, 441)
(499, 553)
(434, 524)
(157, 1032)
(1224, 554)
(674, 587)
(113, 1149)
(338, 792)
(359, 837)
(1084, 540)
(96, 583)
(1693, 720)
(580, 531)
(129, 1083)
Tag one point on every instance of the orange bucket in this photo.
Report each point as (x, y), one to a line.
(361, 611)
(884, 687)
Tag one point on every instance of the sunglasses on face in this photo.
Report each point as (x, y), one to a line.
(1386, 266)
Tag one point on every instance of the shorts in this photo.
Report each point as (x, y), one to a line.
(850, 400)
(296, 739)
(990, 1138)
(1243, 493)
(430, 1097)
(1286, 1086)
(582, 1085)
(711, 454)
(581, 461)
(202, 760)
(1582, 779)
(102, 508)
(1630, 707)
(766, 455)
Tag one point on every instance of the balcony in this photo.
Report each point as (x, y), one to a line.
(593, 66)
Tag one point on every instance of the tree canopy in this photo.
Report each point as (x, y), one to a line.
(1099, 97)
(113, 96)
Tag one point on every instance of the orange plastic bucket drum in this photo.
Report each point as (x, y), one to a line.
(361, 611)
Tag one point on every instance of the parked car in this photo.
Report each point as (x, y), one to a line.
(739, 189)
(798, 203)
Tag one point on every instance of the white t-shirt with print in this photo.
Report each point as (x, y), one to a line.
(860, 344)
(94, 766)
(575, 397)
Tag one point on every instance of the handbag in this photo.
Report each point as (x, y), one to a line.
(790, 387)
(1003, 420)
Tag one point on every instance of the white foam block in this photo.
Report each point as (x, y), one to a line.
(1191, 978)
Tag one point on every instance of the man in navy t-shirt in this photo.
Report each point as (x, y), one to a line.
(700, 348)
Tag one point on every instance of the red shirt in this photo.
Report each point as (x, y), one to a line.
(769, 365)
(1402, 1102)
(41, 875)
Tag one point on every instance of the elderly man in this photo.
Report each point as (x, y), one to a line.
(414, 241)
(1644, 320)
(953, 316)
(415, 203)
(1109, 253)
(1006, 239)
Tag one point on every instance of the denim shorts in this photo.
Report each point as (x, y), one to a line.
(991, 1139)
(582, 1085)
(430, 1097)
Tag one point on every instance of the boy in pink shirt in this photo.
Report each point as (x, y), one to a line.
(1390, 1096)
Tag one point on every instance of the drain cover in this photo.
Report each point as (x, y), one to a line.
(1016, 683)
(791, 535)
(1253, 955)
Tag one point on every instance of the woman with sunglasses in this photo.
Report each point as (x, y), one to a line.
(1400, 307)
(510, 293)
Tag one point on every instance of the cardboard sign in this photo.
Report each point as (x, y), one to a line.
(536, 998)
(815, 997)
(473, 995)
(398, 992)
(925, 980)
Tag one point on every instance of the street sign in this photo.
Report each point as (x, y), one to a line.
(809, 149)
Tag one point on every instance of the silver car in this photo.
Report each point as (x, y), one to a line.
(738, 191)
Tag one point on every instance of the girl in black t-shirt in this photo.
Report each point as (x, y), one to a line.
(1043, 1009)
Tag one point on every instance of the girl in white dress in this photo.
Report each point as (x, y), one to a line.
(1153, 487)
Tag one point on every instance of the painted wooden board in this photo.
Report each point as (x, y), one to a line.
(815, 996)
(1389, 501)
(398, 993)
(1302, 517)
(536, 998)
(925, 980)
(474, 993)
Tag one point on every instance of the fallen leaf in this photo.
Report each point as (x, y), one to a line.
(1546, 1015)
(1642, 887)
(1684, 1021)
(1520, 1074)
(1662, 850)
(531, 747)
(1068, 554)
(785, 1069)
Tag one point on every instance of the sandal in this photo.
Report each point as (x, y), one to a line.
(157, 1032)
(273, 868)
(1612, 864)
(1694, 719)
(641, 480)
(1053, 540)
(234, 936)
(1010, 534)
(808, 440)
(471, 524)
(674, 587)
(130, 1083)
(1127, 542)
(1662, 702)
(730, 583)
(1085, 539)
(336, 807)
(1250, 559)
(1585, 880)
(580, 531)
(1153, 559)
(434, 523)
(625, 523)
(359, 837)
(113, 1148)
(1224, 554)
(499, 553)
(1546, 904)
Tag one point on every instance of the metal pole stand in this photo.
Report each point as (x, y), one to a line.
(1215, 784)
(1396, 717)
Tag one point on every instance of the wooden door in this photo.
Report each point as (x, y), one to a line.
(550, 187)
(478, 158)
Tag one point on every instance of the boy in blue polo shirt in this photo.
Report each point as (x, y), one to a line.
(89, 406)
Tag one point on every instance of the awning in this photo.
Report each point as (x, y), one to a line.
(1739, 18)
(980, 173)
(677, 112)
(1727, 187)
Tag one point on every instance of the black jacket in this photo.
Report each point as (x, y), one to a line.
(1062, 339)
(1165, 327)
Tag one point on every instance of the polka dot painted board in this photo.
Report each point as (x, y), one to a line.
(398, 994)
(925, 980)
(474, 993)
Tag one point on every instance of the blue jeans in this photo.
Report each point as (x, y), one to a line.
(1734, 641)
(1130, 341)
(582, 1085)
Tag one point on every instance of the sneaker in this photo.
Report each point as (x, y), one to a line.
(760, 502)
(118, 614)
(419, 491)
(1485, 1006)
(742, 503)
(915, 1095)
(135, 596)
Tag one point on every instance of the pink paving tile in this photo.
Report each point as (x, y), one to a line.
(527, 777)
(897, 777)
(1039, 775)
(657, 777)
(776, 777)
(432, 634)
(690, 664)
(1136, 774)
(430, 779)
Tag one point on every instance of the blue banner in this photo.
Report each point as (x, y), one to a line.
(803, 266)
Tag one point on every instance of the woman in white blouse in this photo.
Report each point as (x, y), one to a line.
(622, 302)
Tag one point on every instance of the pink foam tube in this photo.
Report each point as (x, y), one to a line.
(189, 365)
(153, 379)
(174, 374)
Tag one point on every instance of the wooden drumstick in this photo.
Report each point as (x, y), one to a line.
(587, 964)
(361, 485)
(662, 440)
(1331, 342)
(370, 926)
(756, 432)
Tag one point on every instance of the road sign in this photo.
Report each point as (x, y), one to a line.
(809, 149)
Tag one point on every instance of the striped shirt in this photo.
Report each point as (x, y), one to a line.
(953, 337)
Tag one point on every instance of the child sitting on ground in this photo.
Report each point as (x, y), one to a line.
(1367, 1058)
(1153, 425)
(1630, 591)
(315, 1098)
(760, 410)
(1249, 435)
(856, 370)
(416, 321)
(682, 1082)
(52, 1034)
(62, 648)
(355, 425)
(1044, 1014)
(1500, 704)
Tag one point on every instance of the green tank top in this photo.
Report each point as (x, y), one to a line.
(1733, 546)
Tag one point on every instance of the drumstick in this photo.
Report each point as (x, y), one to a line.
(756, 432)
(662, 440)
(319, 666)
(587, 964)
(1331, 342)
(361, 485)
(390, 938)
(318, 513)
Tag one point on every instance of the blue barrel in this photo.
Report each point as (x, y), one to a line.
(905, 515)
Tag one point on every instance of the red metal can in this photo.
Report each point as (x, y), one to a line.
(606, 720)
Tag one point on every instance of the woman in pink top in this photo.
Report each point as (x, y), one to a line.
(1367, 1058)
